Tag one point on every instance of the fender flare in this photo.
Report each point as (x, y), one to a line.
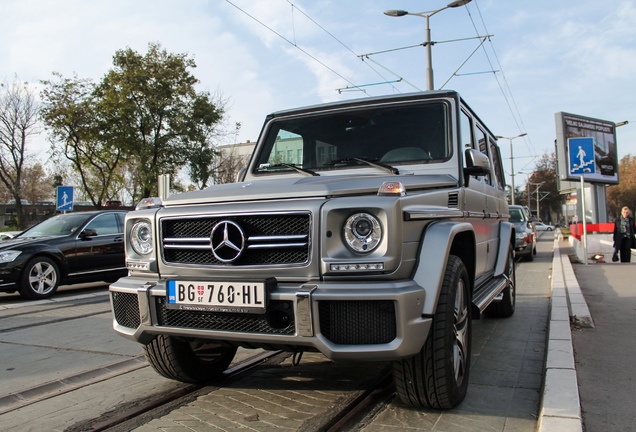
(506, 241)
(437, 237)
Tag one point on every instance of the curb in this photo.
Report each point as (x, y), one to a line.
(560, 404)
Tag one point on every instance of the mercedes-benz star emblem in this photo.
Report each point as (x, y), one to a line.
(227, 240)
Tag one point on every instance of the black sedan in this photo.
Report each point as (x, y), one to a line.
(65, 249)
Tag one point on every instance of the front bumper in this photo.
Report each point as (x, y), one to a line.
(344, 321)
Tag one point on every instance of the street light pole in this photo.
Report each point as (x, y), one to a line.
(429, 52)
(512, 165)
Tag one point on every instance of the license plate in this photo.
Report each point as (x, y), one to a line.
(238, 297)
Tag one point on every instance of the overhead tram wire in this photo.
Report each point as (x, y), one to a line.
(341, 43)
(516, 115)
(454, 74)
(291, 43)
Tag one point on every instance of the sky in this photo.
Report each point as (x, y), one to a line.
(516, 63)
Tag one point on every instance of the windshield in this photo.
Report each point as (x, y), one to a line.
(56, 226)
(417, 133)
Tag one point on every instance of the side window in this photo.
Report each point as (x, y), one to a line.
(104, 224)
(496, 162)
(482, 144)
(466, 132)
(466, 135)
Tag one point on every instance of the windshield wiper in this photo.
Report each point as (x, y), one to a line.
(389, 168)
(357, 161)
(294, 167)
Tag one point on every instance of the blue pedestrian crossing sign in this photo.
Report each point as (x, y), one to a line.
(582, 160)
(64, 198)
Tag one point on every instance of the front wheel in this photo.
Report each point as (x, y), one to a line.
(195, 361)
(437, 377)
(40, 279)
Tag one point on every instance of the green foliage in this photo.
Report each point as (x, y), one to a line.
(143, 119)
(624, 193)
(70, 110)
(543, 182)
(150, 107)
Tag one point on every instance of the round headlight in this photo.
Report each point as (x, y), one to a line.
(362, 232)
(141, 238)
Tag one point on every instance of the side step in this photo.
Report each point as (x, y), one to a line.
(488, 292)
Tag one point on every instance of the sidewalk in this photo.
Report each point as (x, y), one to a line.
(592, 390)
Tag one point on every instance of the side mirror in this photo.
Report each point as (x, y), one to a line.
(86, 233)
(240, 176)
(477, 164)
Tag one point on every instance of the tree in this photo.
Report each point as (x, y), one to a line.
(150, 108)
(623, 193)
(230, 162)
(36, 184)
(77, 128)
(18, 123)
(543, 181)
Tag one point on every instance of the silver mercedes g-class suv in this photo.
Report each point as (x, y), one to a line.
(366, 230)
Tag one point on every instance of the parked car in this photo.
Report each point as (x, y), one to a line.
(8, 235)
(22, 201)
(113, 203)
(65, 249)
(525, 240)
(540, 226)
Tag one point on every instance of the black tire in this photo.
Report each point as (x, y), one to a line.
(437, 377)
(40, 279)
(530, 256)
(193, 361)
(506, 307)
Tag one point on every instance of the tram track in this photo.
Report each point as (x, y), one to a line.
(349, 408)
(35, 316)
(144, 409)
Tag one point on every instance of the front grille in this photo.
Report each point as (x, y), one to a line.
(126, 309)
(279, 319)
(358, 322)
(270, 239)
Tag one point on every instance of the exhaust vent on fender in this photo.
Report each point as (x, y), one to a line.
(453, 200)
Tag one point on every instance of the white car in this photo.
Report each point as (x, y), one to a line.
(540, 226)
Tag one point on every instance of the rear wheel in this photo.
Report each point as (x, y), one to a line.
(188, 360)
(437, 377)
(40, 279)
(533, 250)
(505, 307)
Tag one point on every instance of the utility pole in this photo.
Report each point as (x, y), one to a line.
(538, 185)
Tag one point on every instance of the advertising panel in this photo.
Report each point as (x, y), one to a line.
(601, 136)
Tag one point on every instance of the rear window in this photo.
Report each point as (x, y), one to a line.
(516, 215)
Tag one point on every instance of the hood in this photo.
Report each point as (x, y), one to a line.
(306, 187)
(17, 243)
